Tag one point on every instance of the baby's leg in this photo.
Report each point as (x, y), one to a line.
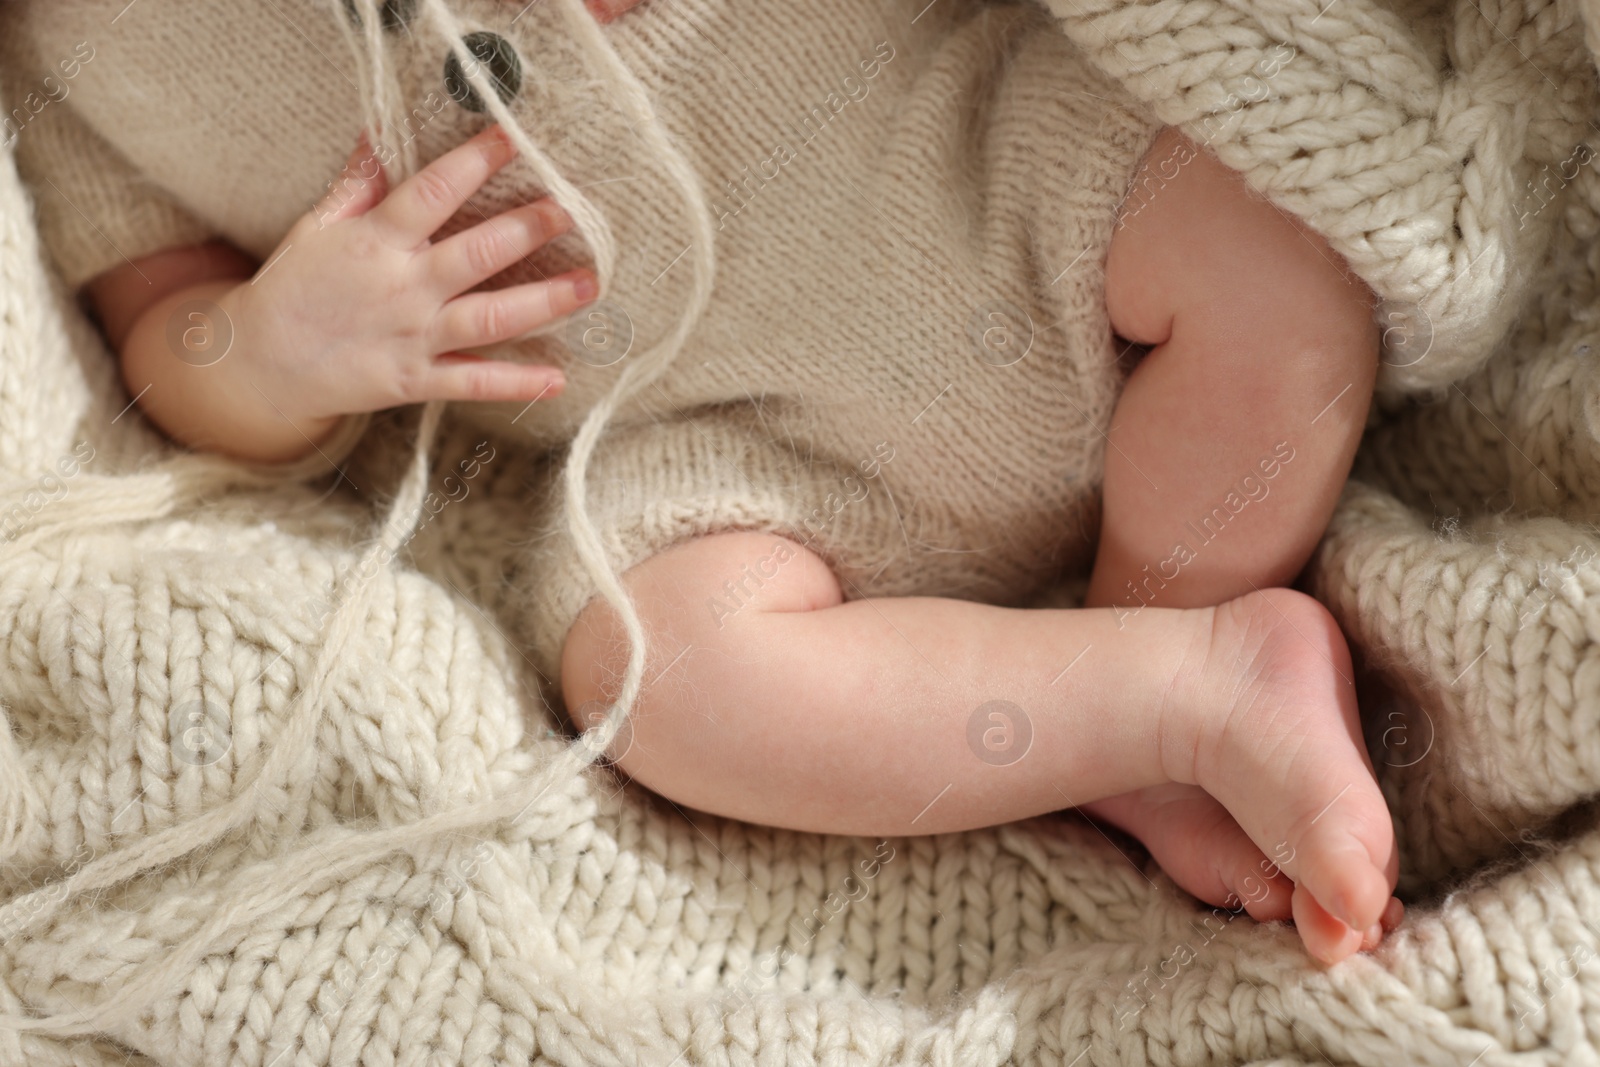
(1234, 435)
(876, 717)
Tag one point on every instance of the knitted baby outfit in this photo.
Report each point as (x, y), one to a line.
(906, 362)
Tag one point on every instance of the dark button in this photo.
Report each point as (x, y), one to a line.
(394, 14)
(500, 64)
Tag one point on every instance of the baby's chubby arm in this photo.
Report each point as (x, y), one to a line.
(356, 310)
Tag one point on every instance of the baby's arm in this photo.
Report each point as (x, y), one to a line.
(204, 405)
(355, 311)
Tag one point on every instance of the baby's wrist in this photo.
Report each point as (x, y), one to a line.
(187, 361)
(278, 400)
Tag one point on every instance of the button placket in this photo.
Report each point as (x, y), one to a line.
(393, 15)
(502, 65)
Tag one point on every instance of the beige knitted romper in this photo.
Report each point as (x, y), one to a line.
(906, 362)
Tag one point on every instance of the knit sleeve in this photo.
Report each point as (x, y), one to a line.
(95, 211)
(655, 485)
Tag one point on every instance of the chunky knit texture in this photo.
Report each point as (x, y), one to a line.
(168, 620)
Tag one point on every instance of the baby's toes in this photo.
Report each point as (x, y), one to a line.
(1343, 855)
(1201, 847)
(1288, 761)
(1325, 937)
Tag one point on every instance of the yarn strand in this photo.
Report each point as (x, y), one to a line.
(143, 987)
(165, 846)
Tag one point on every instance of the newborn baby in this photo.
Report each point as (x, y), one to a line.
(937, 229)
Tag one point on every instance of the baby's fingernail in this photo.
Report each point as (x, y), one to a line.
(585, 287)
(1373, 936)
(554, 216)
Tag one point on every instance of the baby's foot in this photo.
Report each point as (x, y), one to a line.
(1201, 848)
(1268, 725)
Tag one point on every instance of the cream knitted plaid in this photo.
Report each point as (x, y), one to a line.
(1442, 149)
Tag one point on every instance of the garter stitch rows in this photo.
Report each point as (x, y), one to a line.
(379, 98)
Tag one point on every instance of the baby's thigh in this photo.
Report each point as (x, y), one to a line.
(1192, 234)
(694, 594)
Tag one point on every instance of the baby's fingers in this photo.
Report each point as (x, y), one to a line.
(426, 200)
(463, 376)
(608, 10)
(478, 319)
(472, 256)
(361, 183)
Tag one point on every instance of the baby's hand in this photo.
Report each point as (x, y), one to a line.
(357, 310)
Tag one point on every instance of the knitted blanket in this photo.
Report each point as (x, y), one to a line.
(276, 787)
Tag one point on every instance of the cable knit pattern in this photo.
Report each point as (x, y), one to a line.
(417, 867)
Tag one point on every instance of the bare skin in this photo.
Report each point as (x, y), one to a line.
(1220, 735)
(1262, 337)
(1247, 701)
(386, 316)
(1225, 736)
